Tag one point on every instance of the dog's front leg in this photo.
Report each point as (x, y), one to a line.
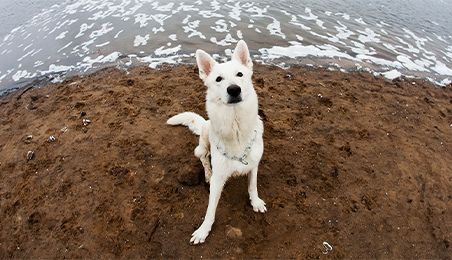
(256, 202)
(216, 186)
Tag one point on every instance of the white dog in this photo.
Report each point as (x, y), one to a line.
(233, 135)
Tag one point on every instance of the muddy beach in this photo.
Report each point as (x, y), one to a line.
(354, 166)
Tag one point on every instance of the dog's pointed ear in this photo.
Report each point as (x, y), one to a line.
(242, 54)
(205, 63)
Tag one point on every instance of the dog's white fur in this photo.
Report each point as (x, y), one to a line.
(234, 123)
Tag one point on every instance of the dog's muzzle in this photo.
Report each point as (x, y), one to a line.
(234, 94)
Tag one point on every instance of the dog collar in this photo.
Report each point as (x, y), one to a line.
(246, 152)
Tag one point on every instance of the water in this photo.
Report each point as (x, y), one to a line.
(13, 14)
(410, 37)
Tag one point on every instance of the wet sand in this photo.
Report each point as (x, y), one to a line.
(354, 166)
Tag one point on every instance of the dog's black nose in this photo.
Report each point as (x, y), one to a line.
(234, 90)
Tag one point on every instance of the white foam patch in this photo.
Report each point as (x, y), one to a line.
(104, 30)
(235, 11)
(141, 40)
(61, 36)
(320, 24)
(391, 74)
(297, 50)
(449, 54)
(185, 8)
(161, 51)
(442, 69)
(88, 62)
(64, 47)
(345, 16)
(102, 15)
(391, 48)
(7, 37)
(409, 48)
(384, 31)
(368, 36)
(257, 11)
(186, 20)
(409, 64)
(73, 8)
(310, 16)
(210, 14)
(57, 68)
(275, 29)
(19, 75)
(142, 19)
(84, 47)
(117, 35)
(38, 64)
(102, 44)
(191, 28)
(240, 34)
(59, 25)
(83, 28)
(440, 38)
(228, 40)
(330, 38)
(343, 31)
(164, 8)
(221, 26)
(302, 26)
(360, 21)
(445, 82)
(158, 30)
(154, 62)
(361, 49)
(160, 18)
(26, 55)
(379, 61)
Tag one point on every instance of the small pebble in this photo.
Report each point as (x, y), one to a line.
(30, 155)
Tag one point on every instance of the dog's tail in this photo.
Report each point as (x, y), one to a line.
(190, 119)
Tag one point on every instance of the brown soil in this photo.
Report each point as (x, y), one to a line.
(353, 160)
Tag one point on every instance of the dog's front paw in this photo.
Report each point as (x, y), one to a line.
(199, 236)
(258, 205)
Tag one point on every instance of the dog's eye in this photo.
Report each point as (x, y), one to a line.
(240, 74)
(219, 79)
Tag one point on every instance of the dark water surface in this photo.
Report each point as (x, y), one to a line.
(52, 39)
(15, 13)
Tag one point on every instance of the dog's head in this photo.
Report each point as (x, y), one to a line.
(228, 82)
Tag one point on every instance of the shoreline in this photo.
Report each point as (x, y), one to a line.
(314, 62)
(351, 159)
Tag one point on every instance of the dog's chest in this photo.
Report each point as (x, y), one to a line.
(239, 156)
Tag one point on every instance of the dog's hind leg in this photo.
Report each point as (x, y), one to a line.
(202, 151)
(256, 202)
(216, 186)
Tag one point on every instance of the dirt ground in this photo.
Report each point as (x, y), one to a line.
(354, 166)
